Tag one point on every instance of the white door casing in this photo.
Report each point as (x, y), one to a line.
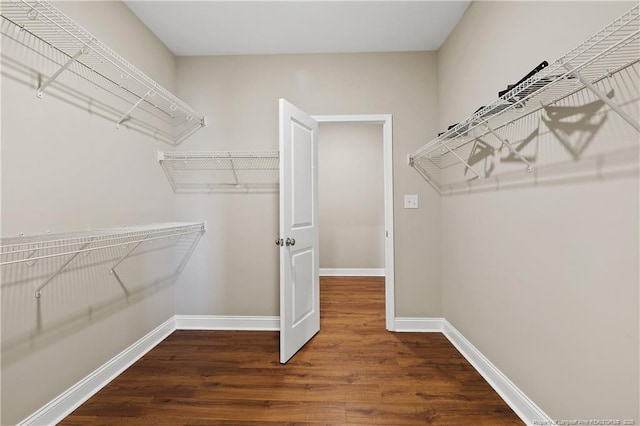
(299, 260)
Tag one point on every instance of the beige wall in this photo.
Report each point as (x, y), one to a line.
(543, 280)
(235, 270)
(351, 196)
(65, 169)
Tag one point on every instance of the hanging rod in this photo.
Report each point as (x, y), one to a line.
(88, 57)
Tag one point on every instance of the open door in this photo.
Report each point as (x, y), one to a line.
(298, 240)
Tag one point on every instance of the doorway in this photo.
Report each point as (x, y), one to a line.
(387, 164)
(351, 200)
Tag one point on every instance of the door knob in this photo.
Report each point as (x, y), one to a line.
(279, 242)
(291, 242)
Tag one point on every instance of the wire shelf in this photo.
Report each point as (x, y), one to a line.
(490, 131)
(75, 51)
(29, 250)
(207, 171)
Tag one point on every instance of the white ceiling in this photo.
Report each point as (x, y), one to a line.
(190, 28)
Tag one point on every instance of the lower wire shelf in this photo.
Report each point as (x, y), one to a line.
(31, 249)
(221, 171)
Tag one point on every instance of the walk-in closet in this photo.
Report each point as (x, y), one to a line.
(328, 212)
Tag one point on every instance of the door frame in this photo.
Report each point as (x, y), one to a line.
(387, 148)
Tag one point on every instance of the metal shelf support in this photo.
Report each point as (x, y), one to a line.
(233, 169)
(462, 160)
(604, 98)
(127, 254)
(510, 147)
(40, 90)
(113, 272)
(60, 269)
(33, 253)
(149, 94)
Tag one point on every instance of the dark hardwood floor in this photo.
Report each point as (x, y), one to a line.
(352, 372)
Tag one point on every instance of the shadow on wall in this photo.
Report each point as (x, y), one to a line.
(575, 139)
(84, 291)
(576, 126)
(30, 61)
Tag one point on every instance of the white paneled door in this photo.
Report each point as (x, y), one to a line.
(298, 240)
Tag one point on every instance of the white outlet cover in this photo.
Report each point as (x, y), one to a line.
(410, 201)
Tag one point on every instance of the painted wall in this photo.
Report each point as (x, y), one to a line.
(351, 196)
(66, 168)
(235, 270)
(543, 279)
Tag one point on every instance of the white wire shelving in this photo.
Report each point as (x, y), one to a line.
(612, 51)
(28, 250)
(229, 171)
(135, 95)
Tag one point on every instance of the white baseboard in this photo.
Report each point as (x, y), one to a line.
(352, 272)
(60, 407)
(419, 325)
(524, 407)
(220, 322)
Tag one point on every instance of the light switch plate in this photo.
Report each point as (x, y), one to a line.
(410, 201)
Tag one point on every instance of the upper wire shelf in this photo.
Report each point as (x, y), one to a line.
(75, 51)
(612, 51)
(211, 171)
(29, 250)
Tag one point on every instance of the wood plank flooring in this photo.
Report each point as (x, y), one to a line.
(352, 372)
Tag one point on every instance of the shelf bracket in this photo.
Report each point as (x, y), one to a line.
(409, 160)
(41, 87)
(127, 254)
(461, 159)
(32, 262)
(60, 269)
(508, 145)
(604, 98)
(233, 169)
(113, 272)
(124, 116)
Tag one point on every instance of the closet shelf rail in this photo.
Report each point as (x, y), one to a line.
(610, 51)
(76, 51)
(221, 171)
(30, 249)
